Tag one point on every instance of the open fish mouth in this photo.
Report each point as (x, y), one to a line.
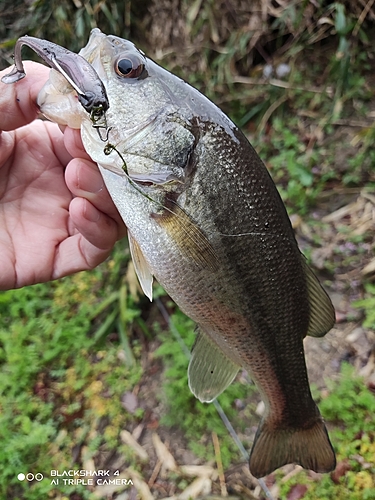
(74, 68)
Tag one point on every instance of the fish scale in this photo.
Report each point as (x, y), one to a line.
(206, 220)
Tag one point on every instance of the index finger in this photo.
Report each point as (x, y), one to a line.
(18, 105)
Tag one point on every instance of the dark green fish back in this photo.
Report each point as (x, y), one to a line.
(265, 279)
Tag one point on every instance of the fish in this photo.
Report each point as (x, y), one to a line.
(204, 219)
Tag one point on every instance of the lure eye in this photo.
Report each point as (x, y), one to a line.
(129, 66)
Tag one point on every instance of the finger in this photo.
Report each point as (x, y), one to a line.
(73, 143)
(18, 100)
(95, 226)
(57, 141)
(85, 181)
(91, 245)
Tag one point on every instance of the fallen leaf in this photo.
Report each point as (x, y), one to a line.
(164, 455)
(128, 439)
(140, 485)
(341, 469)
(201, 486)
(129, 401)
(108, 490)
(88, 462)
(199, 470)
(297, 492)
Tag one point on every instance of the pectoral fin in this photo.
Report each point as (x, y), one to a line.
(187, 235)
(157, 178)
(210, 371)
(141, 267)
(322, 313)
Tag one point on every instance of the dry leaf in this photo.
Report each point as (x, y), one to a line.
(199, 471)
(140, 485)
(88, 463)
(201, 486)
(164, 455)
(129, 401)
(107, 490)
(341, 469)
(297, 492)
(128, 439)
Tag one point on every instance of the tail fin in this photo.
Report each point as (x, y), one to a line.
(310, 448)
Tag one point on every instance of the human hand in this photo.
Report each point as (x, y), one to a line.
(56, 216)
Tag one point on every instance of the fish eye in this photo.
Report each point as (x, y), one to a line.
(129, 66)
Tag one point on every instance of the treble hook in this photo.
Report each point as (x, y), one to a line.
(97, 114)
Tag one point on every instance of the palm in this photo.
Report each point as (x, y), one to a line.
(34, 202)
(52, 223)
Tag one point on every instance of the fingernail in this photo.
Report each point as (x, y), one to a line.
(89, 180)
(91, 213)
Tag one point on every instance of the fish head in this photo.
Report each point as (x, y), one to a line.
(148, 128)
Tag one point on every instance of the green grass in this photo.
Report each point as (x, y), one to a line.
(300, 173)
(61, 380)
(367, 305)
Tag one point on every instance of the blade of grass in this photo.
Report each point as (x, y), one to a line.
(105, 327)
(104, 304)
(129, 357)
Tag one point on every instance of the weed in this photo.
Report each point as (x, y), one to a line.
(368, 306)
(60, 381)
(297, 172)
(361, 166)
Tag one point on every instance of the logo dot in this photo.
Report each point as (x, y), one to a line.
(21, 477)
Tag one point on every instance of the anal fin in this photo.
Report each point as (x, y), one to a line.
(210, 370)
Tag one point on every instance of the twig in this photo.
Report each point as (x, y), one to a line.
(215, 439)
(230, 429)
(282, 84)
(352, 123)
(270, 110)
(362, 17)
(155, 473)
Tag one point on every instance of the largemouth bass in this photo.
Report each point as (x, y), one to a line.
(206, 220)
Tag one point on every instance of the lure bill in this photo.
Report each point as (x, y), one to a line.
(75, 69)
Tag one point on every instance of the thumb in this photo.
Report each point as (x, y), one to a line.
(18, 100)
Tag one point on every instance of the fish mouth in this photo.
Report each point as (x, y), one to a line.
(73, 67)
(92, 49)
